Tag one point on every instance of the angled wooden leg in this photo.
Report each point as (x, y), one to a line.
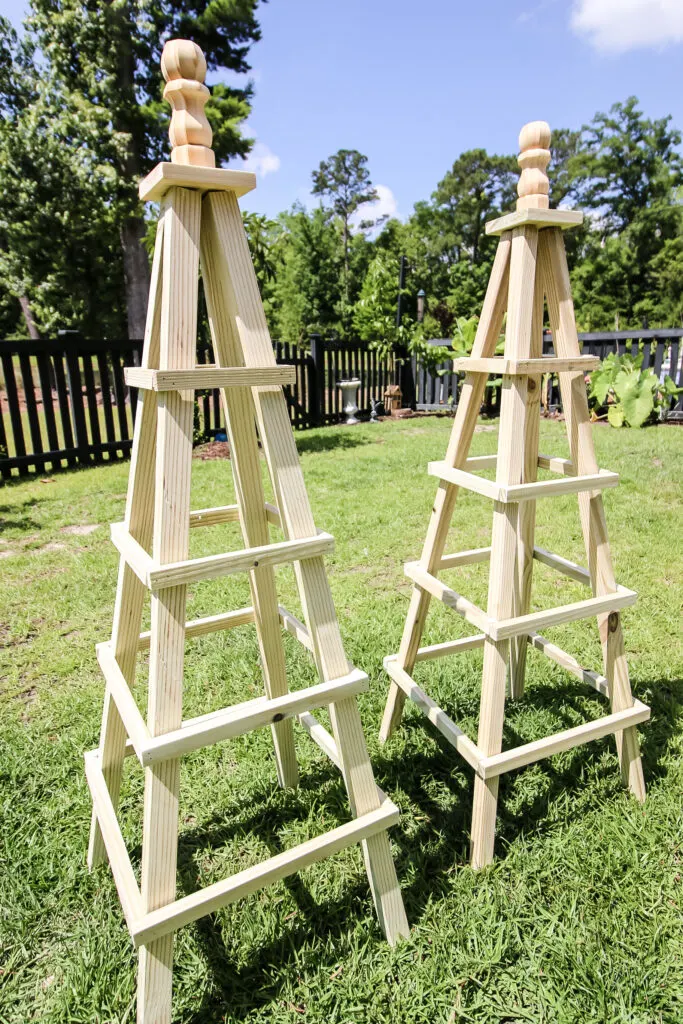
(130, 592)
(170, 544)
(241, 294)
(593, 522)
(466, 416)
(526, 519)
(246, 464)
(510, 470)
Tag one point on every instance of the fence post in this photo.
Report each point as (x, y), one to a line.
(70, 340)
(316, 381)
(406, 377)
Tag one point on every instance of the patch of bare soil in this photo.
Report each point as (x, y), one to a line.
(81, 531)
(212, 450)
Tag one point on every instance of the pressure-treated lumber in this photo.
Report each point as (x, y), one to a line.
(153, 542)
(500, 366)
(521, 492)
(536, 218)
(490, 767)
(209, 377)
(203, 179)
(160, 577)
(213, 897)
(529, 268)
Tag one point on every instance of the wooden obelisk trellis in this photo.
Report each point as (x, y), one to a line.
(200, 224)
(530, 266)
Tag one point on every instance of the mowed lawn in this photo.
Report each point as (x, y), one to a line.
(580, 918)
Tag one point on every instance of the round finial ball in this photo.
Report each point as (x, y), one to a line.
(181, 58)
(535, 135)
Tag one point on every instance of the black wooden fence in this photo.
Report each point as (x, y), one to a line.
(64, 401)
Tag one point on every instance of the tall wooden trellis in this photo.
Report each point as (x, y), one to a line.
(200, 223)
(529, 271)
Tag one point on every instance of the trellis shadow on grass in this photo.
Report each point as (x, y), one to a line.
(329, 442)
(436, 847)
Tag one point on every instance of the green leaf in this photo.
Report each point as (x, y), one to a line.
(615, 415)
(600, 385)
(637, 403)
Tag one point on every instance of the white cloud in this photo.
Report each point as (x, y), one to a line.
(384, 206)
(615, 26)
(261, 160)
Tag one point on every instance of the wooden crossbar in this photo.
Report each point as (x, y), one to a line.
(242, 718)
(209, 624)
(467, 643)
(549, 745)
(465, 558)
(566, 661)
(209, 377)
(220, 894)
(552, 462)
(157, 577)
(522, 492)
(223, 724)
(501, 366)
(448, 596)
(228, 514)
(563, 565)
(521, 624)
(436, 715)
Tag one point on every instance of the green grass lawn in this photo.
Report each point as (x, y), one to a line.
(578, 920)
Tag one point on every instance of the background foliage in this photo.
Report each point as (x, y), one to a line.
(82, 118)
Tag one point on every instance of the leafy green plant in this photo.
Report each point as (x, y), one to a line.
(630, 395)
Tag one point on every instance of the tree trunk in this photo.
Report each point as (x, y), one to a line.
(136, 273)
(33, 331)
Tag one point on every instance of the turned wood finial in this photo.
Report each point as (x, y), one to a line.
(534, 157)
(184, 68)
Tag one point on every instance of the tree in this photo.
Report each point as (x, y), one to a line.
(344, 179)
(100, 63)
(59, 256)
(630, 174)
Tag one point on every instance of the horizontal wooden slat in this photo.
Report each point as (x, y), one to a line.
(557, 465)
(295, 627)
(205, 179)
(522, 492)
(209, 377)
(167, 919)
(124, 878)
(436, 715)
(476, 462)
(192, 570)
(563, 565)
(535, 621)
(537, 218)
(530, 752)
(210, 624)
(465, 558)
(566, 661)
(467, 643)
(500, 366)
(228, 514)
(242, 718)
(448, 596)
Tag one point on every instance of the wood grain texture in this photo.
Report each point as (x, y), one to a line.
(130, 591)
(526, 518)
(170, 543)
(471, 395)
(242, 299)
(593, 522)
(509, 471)
(209, 377)
(500, 365)
(240, 415)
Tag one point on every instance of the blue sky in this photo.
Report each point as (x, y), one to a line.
(414, 84)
